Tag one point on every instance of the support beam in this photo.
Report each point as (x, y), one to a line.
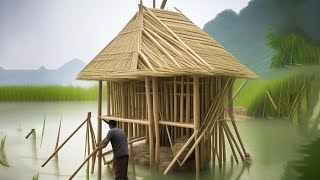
(156, 117)
(150, 126)
(99, 130)
(196, 114)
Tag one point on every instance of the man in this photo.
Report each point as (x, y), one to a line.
(119, 143)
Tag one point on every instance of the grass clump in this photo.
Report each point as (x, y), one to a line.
(35, 177)
(3, 157)
(47, 93)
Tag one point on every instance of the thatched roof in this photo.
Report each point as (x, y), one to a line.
(158, 42)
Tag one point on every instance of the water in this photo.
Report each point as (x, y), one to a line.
(271, 144)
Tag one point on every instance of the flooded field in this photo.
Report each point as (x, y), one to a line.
(271, 143)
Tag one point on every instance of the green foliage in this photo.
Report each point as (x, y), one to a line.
(47, 93)
(307, 167)
(291, 49)
(35, 177)
(3, 157)
(293, 93)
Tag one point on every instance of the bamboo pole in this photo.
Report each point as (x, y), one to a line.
(87, 159)
(234, 140)
(163, 4)
(44, 124)
(56, 151)
(241, 87)
(181, 151)
(156, 118)
(149, 106)
(188, 105)
(32, 131)
(58, 136)
(230, 142)
(154, 4)
(99, 130)
(171, 144)
(274, 105)
(233, 120)
(175, 108)
(196, 108)
(181, 105)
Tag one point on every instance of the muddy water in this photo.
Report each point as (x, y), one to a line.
(271, 144)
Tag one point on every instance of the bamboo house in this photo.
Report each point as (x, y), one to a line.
(167, 79)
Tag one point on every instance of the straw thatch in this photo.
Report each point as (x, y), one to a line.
(158, 42)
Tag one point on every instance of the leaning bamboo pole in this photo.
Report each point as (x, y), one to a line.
(75, 131)
(196, 117)
(233, 120)
(230, 142)
(58, 136)
(150, 125)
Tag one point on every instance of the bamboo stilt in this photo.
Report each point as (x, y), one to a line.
(99, 130)
(175, 108)
(150, 119)
(196, 112)
(181, 105)
(230, 143)
(156, 118)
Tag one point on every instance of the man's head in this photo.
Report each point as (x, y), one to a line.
(112, 123)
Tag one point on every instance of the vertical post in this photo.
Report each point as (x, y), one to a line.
(196, 114)
(154, 3)
(181, 105)
(108, 97)
(188, 105)
(156, 117)
(175, 107)
(150, 126)
(99, 129)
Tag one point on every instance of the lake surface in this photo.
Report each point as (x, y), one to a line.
(271, 144)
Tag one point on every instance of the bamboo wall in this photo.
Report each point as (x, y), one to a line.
(150, 107)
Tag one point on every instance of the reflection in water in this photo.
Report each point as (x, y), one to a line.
(56, 166)
(34, 146)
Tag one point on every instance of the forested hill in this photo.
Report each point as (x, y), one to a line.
(244, 34)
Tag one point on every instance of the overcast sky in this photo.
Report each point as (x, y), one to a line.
(52, 32)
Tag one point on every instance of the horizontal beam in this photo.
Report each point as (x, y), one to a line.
(177, 124)
(135, 121)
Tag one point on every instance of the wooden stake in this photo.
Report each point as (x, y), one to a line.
(58, 136)
(149, 106)
(44, 124)
(188, 105)
(32, 131)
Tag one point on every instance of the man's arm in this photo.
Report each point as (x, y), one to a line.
(103, 143)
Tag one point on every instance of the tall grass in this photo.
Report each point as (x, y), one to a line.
(47, 93)
(3, 157)
(292, 93)
(35, 177)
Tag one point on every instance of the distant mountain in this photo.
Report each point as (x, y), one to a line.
(64, 75)
(244, 34)
(1, 69)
